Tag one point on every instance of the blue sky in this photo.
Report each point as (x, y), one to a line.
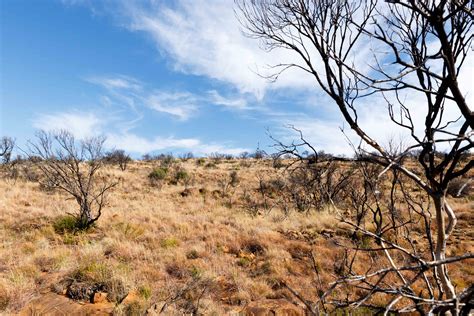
(154, 76)
(66, 63)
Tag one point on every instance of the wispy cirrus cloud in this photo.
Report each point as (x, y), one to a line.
(118, 81)
(237, 103)
(179, 104)
(205, 38)
(123, 90)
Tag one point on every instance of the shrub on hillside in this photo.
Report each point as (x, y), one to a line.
(201, 161)
(157, 176)
(118, 157)
(74, 167)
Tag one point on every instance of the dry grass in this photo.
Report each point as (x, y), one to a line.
(157, 242)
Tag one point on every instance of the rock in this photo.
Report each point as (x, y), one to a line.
(82, 291)
(131, 297)
(99, 297)
(268, 307)
(55, 304)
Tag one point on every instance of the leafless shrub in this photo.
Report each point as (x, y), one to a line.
(244, 155)
(6, 147)
(165, 160)
(227, 186)
(74, 167)
(259, 154)
(187, 299)
(186, 156)
(217, 157)
(118, 157)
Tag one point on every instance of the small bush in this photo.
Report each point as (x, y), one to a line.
(234, 179)
(176, 271)
(278, 163)
(192, 254)
(195, 272)
(66, 224)
(118, 157)
(243, 262)
(130, 231)
(201, 161)
(166, 160)
(95, 272)
(211, 165)
(217, 157)
(186, 156)
(145, 291)
(181, 176)
(170, 242)
(93, 277)
(157, 176)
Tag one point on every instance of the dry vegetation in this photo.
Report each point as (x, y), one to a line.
(205, 239)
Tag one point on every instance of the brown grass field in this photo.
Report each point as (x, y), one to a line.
(155, 246)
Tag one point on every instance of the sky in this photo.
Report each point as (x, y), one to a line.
(157, 77)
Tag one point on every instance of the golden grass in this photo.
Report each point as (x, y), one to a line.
(155, 241)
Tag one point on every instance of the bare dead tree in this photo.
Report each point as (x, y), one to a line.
(419, 49)
(74, 167)
(6, 147)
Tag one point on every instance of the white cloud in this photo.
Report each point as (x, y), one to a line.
(116, 82)
(84, 124)
(232, 103)
(204, 38)
(141, 145)
(138, 144)
(125, 90)
(179, 104)
(81, 125)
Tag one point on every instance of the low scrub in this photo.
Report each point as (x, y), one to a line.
(66, 224)
(157, 176)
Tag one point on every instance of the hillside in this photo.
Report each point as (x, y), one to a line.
(212, 240)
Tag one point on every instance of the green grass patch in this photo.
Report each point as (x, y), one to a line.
(169, 242)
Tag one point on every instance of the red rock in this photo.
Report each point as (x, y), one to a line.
(99, 297)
